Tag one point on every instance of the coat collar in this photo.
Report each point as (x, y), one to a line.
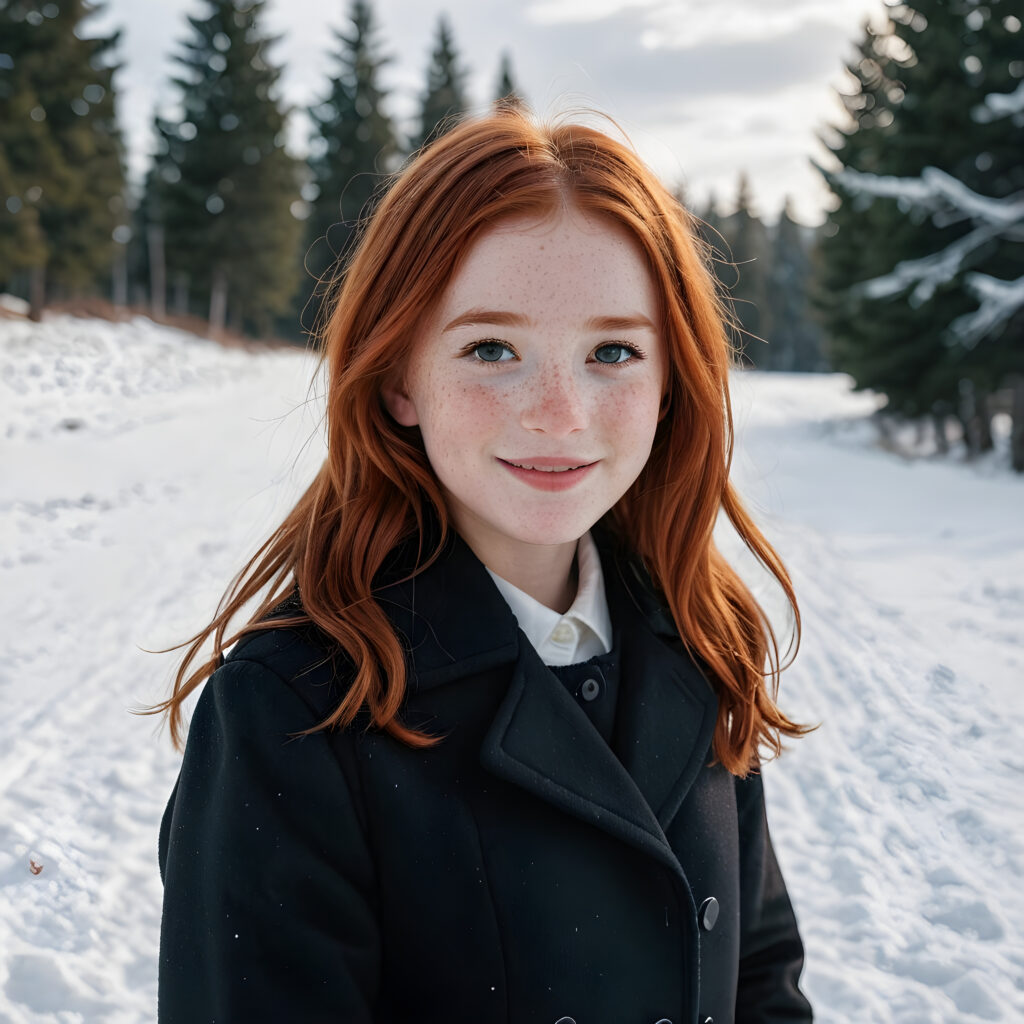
(457, 624)
(451, 615)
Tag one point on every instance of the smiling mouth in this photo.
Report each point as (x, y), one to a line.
(547, 469)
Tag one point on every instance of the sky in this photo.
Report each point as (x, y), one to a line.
(703, 90)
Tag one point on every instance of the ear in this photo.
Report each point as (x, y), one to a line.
(399, 404)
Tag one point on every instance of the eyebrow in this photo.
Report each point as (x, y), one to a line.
(503, 318)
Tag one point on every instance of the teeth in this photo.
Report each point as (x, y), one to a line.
(547, 469)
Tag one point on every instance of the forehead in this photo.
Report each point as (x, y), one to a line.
(555, 264)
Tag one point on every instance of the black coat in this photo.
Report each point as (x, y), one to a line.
(523, 870)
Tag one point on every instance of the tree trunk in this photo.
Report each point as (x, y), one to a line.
(119, 284)
(966, 424)
(973, 414)
(787, 357)
(181, 293)
(1016, 383)
(984, 423)
(218, 302)
(235, 319)
(965, 415)
(939, 422)
(36, 292)
(157, 272)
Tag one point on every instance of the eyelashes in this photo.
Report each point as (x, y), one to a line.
(495, 351)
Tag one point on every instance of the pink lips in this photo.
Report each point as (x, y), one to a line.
(549, 473)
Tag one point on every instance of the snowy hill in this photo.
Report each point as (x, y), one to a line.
(140, 466)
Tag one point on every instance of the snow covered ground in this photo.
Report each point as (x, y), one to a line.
(138, 468)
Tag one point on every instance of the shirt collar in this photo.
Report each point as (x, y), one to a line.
(584, 630)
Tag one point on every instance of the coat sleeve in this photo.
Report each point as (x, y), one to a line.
(771, 953)
(269, 905)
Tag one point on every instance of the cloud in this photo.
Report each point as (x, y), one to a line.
(687, 24)
(610, 55)
(553, 12)
(682, 24)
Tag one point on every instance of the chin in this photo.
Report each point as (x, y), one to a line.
(553, 536)
(528, 524)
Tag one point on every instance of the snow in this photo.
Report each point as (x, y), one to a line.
(141, 467)
(902, 817)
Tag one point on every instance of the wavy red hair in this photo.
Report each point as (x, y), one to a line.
(376, 488)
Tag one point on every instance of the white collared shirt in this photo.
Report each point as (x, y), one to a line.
(583, 631)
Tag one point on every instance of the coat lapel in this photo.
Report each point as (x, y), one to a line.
(667, 710)
(540, 740)
(457, 623)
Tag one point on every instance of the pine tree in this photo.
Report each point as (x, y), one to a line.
(747, 239)
(932, 69)
(354, 147)
(507, 91)
(851, 248)
(444, 100)
(25, 144)
(224, 187)
(794, 339)
(936, 130)
(60, 148)
(711, 224)
(996, 42)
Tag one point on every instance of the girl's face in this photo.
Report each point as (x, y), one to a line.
(537, 382)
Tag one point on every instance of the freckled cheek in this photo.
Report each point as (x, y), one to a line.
(467, 413)
(631, 412)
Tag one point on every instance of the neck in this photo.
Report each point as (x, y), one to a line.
(547, 573)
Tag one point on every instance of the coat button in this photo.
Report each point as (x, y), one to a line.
(565, 1020)
(590, 690)
(708, 915)
(664, 1020)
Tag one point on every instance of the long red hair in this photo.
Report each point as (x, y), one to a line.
(376, 488)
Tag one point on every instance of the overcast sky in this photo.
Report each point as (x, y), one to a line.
(703, 88)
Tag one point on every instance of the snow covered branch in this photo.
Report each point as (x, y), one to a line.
(998, 105)
(949, 200)
(999, 301)
(930, 271)
(934, 189)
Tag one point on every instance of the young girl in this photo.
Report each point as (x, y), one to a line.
(488, 750)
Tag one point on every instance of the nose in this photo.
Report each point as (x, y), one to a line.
(554, 404)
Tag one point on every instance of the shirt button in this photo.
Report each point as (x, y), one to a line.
(562, 633)
(590, 690)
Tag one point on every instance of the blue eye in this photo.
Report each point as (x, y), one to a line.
(492, 352)
(614, 353)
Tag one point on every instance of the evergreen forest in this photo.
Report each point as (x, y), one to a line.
(914, 284)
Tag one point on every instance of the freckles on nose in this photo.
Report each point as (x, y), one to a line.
(553, 403)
